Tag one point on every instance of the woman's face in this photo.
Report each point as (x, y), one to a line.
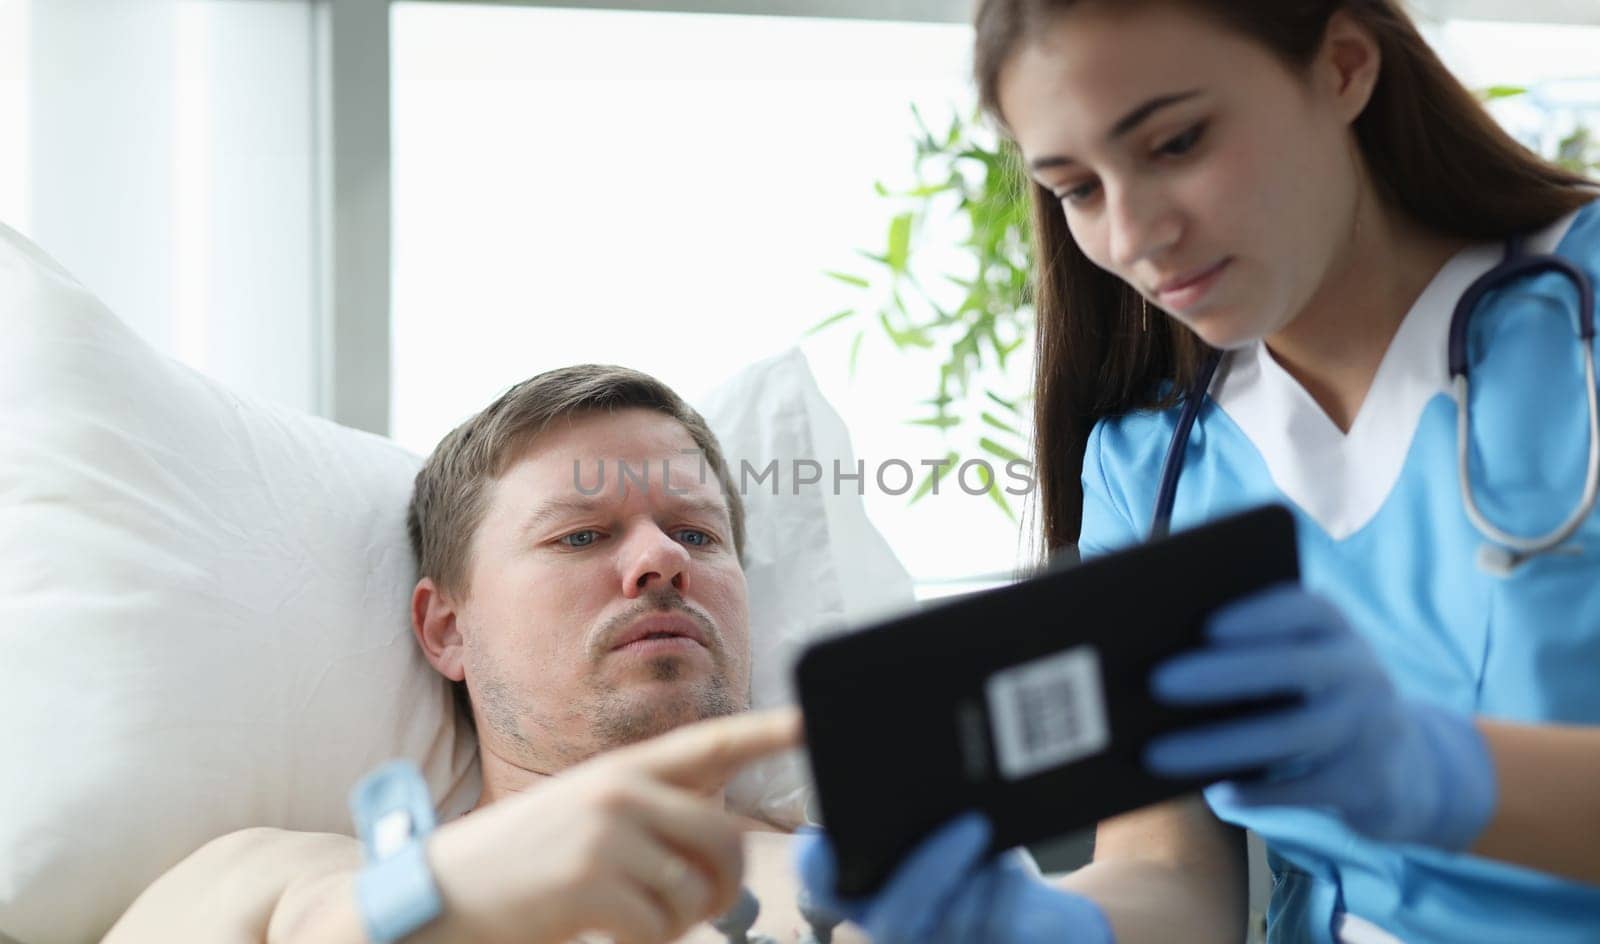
(1189, 161)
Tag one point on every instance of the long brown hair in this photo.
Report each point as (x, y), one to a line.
(1427, 141)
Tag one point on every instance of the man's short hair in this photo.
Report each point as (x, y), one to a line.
(452, 488)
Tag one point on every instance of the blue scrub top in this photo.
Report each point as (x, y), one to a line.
(1383, 533)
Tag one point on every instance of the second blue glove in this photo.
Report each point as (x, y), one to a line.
(1390, 767)
(945, 892)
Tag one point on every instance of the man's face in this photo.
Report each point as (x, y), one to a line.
(595, 620)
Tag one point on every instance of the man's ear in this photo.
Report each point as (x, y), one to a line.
(433, 622)
(1348, 66)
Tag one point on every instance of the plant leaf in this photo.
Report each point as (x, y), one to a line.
(998, 494)
(849, 279)
(928, 139)
(1008, 404)
(830, 320)
(997, 423)
(912, 336)
(1496, 92)
(995, 449)
(951, 460)
(899, 242)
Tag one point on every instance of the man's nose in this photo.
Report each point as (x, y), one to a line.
(653, 560)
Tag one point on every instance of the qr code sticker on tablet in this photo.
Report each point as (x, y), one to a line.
(1048, 712)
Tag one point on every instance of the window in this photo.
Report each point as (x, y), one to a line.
(1556, 63)
(663, 191)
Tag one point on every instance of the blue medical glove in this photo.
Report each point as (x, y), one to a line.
(946, 892)
(1391, 768)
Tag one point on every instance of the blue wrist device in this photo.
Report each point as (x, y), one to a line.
(395, 891)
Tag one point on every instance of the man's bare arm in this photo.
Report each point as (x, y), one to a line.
(1172, 872)
(230, 889)
(258, 886)
(628, 844)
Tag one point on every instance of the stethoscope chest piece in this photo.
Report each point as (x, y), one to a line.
(1497, 560)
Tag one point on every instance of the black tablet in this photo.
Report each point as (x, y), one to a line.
(1030, 702)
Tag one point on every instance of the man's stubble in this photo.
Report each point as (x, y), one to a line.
(606, 716)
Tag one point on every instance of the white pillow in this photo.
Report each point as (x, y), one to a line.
(813, 560)
(203, 614)
(203, 608)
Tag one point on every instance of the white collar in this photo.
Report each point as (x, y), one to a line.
(1341, 479)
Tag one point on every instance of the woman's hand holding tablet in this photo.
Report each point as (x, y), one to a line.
(1393, 768)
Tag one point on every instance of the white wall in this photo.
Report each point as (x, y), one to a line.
(15, 205)
(169, 166)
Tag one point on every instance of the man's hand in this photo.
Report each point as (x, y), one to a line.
(946, 892)
(626, 844)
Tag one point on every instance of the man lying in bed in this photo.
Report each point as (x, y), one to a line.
(581, 584)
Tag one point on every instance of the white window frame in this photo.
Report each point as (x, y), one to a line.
(353, 258)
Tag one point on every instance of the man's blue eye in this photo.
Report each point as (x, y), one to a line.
(695, 538)
(579, 538)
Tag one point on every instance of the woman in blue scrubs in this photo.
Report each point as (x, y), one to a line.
(1304, 187)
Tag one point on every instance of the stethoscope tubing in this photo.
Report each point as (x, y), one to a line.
(1512, 549)
(1172, 468)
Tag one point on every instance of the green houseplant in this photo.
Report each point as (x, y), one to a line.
(972, 307)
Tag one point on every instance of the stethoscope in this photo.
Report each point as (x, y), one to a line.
(1502, 553)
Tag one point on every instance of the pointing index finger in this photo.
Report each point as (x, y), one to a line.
(707, 754)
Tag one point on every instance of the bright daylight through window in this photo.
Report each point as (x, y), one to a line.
(667, 191)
